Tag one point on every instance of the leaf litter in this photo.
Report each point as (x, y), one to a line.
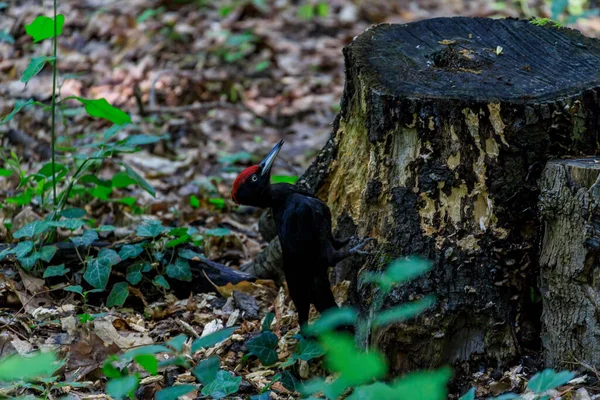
(218, 84)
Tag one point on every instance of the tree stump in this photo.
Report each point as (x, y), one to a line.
(445, 128)
(570, 264)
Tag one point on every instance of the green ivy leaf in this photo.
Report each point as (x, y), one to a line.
(223, 385)
(404, 270)
(313, 386)
(70, 224)
(266, 325)
(180, 270)
(183, 231)
(177, 342)
(47, 252)
(28, 262)
(206, 370)
(549, 379)
(403, 312)
(74, 289)
(264, 347)
(355, 367)
(100, 108)
(74, 212)
(148, 362)
(151, 228)
(109, 370)
(85, 240)
(131, 251)
(212, 339)
(423, 385)
(106, 228)
(177, 360)
(98, 270)
(174, 392)
(134, 274)
(177, 241)
(331, 319)
(470, 395)
(118, 295)
(160, 281)
(262, 396)
(34, 67)
(150, 349)
(399, 271)
(122, 387)
(22, 249)
(377, 390)
(42, 27)
(32, 229)
(18, 368)
(287, 363)
(55, 270)
(289, 381)
(308, 349)
(139, 180)
(109, 255)
(189, 254)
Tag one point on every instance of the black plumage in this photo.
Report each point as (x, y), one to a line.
(303, 224)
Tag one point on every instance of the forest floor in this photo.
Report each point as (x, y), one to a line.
(217, 83)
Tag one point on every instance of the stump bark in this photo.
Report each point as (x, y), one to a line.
(444, 130)
(569, 263)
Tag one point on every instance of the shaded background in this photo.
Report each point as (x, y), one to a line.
(220, 80)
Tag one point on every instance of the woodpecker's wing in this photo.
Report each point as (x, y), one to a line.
(304, 231)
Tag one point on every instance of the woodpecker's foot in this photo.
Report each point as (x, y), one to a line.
(357, 249)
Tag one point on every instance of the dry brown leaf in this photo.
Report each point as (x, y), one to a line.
(105, 329)
(87, 354)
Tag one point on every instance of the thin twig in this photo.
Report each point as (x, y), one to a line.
(25, 305)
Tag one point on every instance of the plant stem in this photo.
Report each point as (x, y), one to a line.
(53, 107)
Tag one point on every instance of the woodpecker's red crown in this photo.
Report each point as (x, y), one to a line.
(252, 186)
(241, 178)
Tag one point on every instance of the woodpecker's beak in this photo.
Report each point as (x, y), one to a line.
(269, 160)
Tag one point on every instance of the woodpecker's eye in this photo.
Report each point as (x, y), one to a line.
(254, 178)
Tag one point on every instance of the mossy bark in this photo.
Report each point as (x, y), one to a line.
(570, 264)
(437, 151)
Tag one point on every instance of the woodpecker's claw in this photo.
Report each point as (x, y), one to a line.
(356, 249)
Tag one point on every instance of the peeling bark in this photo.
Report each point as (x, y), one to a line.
(268, 264)
(437, 152)
(569, 263)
